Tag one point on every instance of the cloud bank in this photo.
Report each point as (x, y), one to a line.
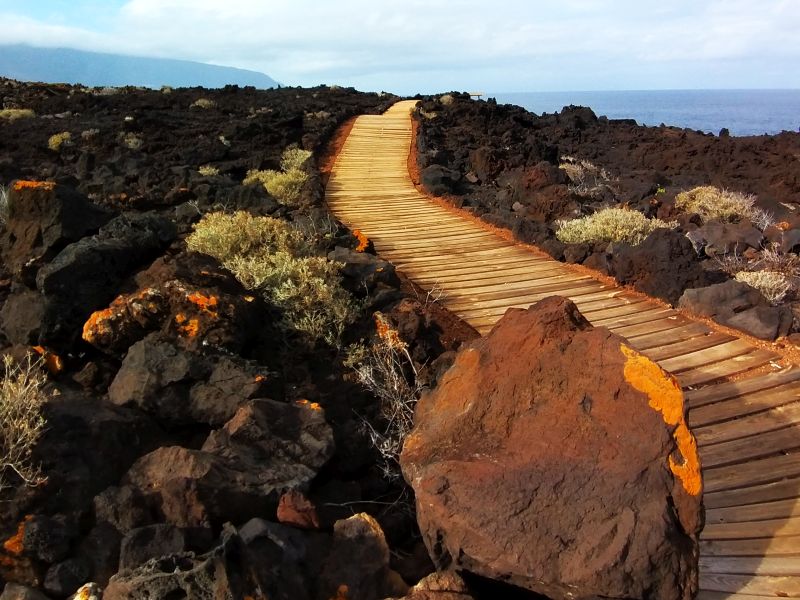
(432, 45)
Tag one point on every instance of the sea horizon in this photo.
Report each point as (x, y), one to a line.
(742, 111)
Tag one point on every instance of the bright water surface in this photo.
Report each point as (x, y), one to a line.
(742, 112)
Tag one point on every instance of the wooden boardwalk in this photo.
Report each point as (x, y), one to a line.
(748, 430)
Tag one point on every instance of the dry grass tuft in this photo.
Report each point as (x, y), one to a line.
(14, 114)
(586, 179)
(772, 284)
(269, 256)
(285, 186)
(21, 420)
(58, 140)
(713, 203)
(609, 225)
(204, 103)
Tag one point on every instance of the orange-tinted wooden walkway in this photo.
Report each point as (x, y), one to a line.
(748, 431)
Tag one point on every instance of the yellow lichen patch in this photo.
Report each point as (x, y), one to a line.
(665, 396)
(22, 184)
(98, 324)
(311, 405)
(52, 361)
(205, 303)
(363, 240)
(14, 544)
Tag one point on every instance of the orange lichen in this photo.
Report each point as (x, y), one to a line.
(311, 405)
(665, 396)
(341, 593)
(52, 361)
(22, 184)
(260, 378)
(186, 326)
(97, 325)
(363, 240)
(207, 304)
(14, 545)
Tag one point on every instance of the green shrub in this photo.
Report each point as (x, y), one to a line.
(609, 225)
(286, 187)
(21, 420)
(58, 140)
(294, 159)
(269, 256)
(13, 114)
(713, 203)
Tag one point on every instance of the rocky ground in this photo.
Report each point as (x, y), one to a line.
(520, 171)
(193, 447)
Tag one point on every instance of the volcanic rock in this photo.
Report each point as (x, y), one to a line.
(737, 304)
(266, 449)
(446, 585)
(14, 591)
(524, 469)
(663, 265)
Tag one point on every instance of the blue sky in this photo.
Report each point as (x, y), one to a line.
(434, 45)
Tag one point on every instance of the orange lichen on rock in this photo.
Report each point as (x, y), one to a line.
(205, 303)
(311, 405)
(14, 544)
(22, 184)
(389, 336)
(363, 240)
(186, 326)
(52, 361)
(341, 593)
(665, 396)
(98, 324)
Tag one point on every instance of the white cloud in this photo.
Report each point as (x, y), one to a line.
(505, 44)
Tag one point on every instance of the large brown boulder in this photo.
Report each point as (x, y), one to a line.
(553, 456)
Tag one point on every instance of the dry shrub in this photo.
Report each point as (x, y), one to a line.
(609, 225)
(58, 140)
(447, 99)
(713, 203)
(385, 368)
(208, 171)
(204, 103)
(773, 285)
(4, 207)
(131, 141)
(269, 256)
(586, 179)
(21, 420)
(287, 184)
(14, 114)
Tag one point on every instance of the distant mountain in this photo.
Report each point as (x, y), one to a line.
(64, 65)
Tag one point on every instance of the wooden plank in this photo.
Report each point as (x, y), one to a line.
(751, 529)
(659, 326)
(679, 347)
(766, 492)
(726, 368)
(765, 470)
(533, 292)
(707, 595)
(777, 566)
(760, 585)
(778, 417)
(699, 358)
(752, 447)
(779, 509)
(777, 546)
(653, 340)
(748, 404)
(734, 389)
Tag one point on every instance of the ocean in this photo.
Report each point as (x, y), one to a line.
(742, 112)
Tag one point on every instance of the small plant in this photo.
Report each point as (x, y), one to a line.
(447, 99)
(610, 225)
(4, 206)
(713, 203)
(14, 114)
(132, 141)
(208, 171)
(21, 420)
(586, 179)
(90, 134)
(166, 90)
(269, 256)
(385, 368)
(58, 140)
(204, 103)
(285, 186)
(774, 286)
